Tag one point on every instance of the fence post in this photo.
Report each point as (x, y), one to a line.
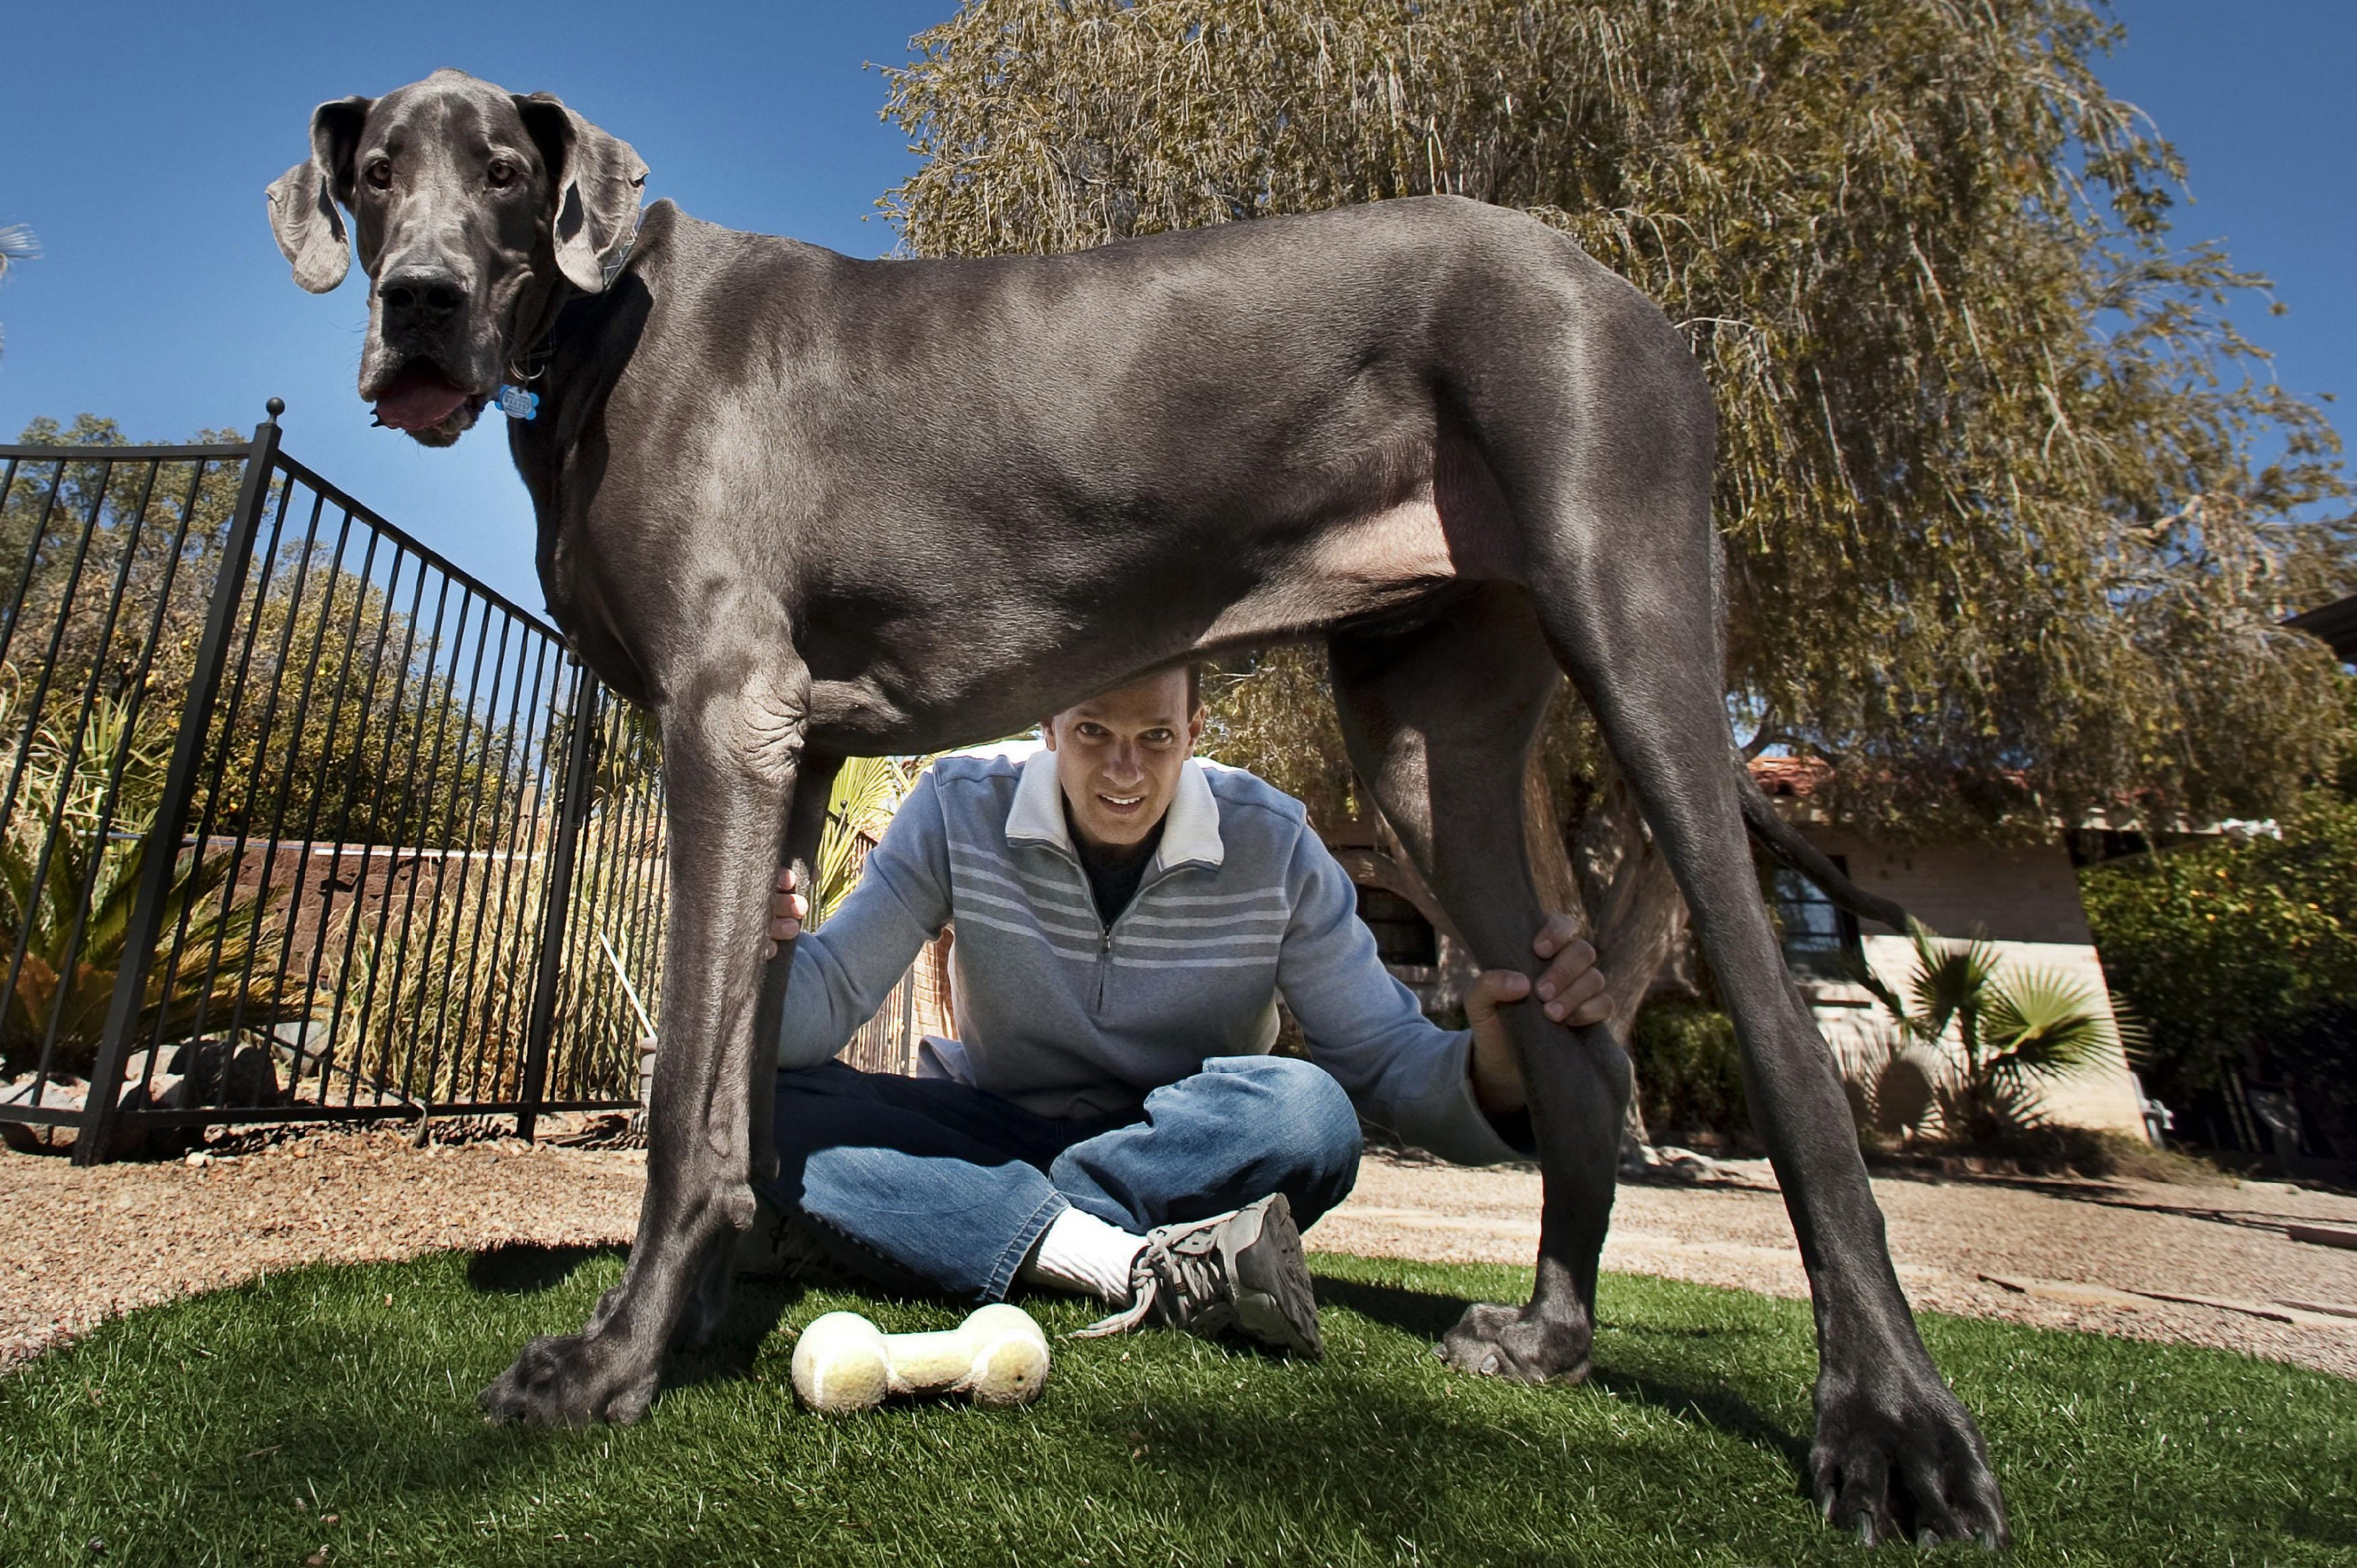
(162, 864)
(571, 810)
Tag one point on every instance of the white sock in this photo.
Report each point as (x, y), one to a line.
(1080, 1253)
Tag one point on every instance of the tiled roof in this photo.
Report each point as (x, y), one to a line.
(1790, 777)
(2335, 624)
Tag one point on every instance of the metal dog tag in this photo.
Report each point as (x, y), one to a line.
(518, 403)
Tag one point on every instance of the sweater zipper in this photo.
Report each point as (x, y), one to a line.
(1105, 947)
(1105, 931)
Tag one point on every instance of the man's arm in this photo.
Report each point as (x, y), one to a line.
(1435, 1088)
(843, 974)
(844, 971)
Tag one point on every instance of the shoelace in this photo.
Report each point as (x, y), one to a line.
(1187, 1254)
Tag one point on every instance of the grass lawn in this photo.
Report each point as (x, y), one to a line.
(333, 1407)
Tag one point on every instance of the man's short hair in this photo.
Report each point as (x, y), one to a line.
(1194, 686)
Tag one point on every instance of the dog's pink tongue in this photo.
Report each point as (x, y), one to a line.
(418, 397)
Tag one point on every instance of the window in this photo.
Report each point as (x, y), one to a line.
(1821, 941)
(1402, 936)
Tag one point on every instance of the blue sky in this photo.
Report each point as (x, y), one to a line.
(136, 140)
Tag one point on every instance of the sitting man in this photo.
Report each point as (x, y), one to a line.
(1109, 1121)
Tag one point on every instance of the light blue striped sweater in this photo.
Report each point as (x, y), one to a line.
(1068, 1019)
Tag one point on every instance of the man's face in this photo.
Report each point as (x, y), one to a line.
(1118, 756)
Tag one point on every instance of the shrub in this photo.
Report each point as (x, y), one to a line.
(2321, 1057)
(1991, 1042)
(1689, 1069)
(2236, 951)
(72, 853)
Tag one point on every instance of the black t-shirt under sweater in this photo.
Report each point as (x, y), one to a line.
(1113, 873)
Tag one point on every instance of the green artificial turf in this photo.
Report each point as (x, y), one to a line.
(227, 1428)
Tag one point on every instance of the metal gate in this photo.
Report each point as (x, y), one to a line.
(299, 821)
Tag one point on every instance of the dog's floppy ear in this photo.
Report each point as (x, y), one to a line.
(303, 200)
(599, 180)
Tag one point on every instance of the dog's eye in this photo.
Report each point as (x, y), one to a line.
(380, 172)
(500, 172)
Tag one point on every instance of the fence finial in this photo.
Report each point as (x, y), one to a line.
(274, 407)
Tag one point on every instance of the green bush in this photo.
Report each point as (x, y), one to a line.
(2322, 1058)
(2234, 950)
(1689, 1069)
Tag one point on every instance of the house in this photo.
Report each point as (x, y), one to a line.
(2025, 901)
(2334, 625)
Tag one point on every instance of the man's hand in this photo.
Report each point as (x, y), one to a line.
(787, 910)
(1570, 989)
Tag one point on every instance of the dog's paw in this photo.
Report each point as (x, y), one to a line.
(1897, 1457)
(1522, 1344)
(571, 1381)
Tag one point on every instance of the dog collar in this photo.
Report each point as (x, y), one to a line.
(516, 401)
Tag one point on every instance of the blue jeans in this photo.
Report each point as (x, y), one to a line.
(924, 1184)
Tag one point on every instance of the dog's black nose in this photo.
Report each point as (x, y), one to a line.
(421, 293)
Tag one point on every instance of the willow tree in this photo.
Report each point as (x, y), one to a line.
(2001, 540)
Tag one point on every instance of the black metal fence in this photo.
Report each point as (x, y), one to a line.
(299, 820)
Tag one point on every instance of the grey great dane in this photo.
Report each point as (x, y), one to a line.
(806, 507)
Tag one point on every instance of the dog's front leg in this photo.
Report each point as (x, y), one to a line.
(707, 1303)
(732, 759)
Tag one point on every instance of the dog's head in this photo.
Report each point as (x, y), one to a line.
(469, 202)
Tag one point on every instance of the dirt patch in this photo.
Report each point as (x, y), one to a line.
(82, 1245)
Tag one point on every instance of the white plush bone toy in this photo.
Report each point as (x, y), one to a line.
(845, 1363)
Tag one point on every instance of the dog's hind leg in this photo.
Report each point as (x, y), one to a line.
(733, 735)
(1609, 473)
(1895, 1452)
(1439, 720)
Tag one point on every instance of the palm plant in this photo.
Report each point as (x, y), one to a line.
(866, 791)
(2010, 1036)
(66, 903)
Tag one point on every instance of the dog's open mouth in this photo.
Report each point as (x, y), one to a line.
(420, 397)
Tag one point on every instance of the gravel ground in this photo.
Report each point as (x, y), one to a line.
(79, 1246)
(83, 1245)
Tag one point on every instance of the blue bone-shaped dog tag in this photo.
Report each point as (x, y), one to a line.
(518, 403)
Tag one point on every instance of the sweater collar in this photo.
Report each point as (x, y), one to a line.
(1191, 831)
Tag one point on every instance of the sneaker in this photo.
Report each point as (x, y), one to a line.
(779, 1245)
(1240, 1271)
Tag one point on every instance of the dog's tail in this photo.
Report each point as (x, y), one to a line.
(1783, 841)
